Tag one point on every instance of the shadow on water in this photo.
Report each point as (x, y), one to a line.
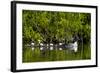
(55, 53)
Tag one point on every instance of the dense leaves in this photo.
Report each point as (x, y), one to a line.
(55, 27)
(49, 26)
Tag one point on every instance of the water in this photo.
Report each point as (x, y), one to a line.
(60, 46)
(55, 52)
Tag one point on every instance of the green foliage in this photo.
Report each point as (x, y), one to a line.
(49, 26)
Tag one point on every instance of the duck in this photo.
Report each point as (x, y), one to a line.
(41, 46)
(60, 45)
(32, 45)
(73, 46)
(51, 46)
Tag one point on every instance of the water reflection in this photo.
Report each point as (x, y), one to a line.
(51, 46)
